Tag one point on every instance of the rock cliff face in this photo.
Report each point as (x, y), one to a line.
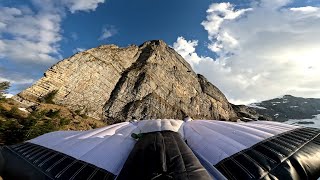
(137, 82)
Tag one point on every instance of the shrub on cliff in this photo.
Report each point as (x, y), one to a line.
(4, 86)
(48, 98)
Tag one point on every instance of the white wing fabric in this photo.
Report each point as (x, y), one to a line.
(107, 147)
(217, 140)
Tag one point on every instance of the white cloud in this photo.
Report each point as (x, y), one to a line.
(78, 50)
(306, 9)
(73, 6)
(8, 95)
(107, 32)
(74, 36)
(263, 51)
(274, 4)
(18, 80)
(31, 35)
(218, 13)
(34, 35)
(21, 80)
(82, 5)
(187, 50)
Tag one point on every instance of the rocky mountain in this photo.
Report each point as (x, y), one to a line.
(288, 107)
(136, 82)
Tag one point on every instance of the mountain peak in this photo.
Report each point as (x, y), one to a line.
(154, 43)
(136, 82)
(288, 96)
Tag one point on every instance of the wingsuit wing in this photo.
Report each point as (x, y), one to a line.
(257, 150)
(169, 149)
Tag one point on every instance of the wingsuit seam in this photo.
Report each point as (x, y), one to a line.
(184, 165)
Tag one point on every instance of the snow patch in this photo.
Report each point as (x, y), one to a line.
(294, 106)
(306, 122)
(8, 95)
(276, 102)
(23, 109)
(254, 105)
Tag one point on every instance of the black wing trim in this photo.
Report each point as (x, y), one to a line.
(32, 161)
(291, 155)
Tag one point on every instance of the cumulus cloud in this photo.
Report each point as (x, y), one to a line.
(306, 9)
(31, 34)
(34, 35)
(187, 50)
(17, 81)
(263, 51)
(107, 32)
(218, 13)
(82, 5)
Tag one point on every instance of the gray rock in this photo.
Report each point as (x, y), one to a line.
(246, 113)
(120, 84)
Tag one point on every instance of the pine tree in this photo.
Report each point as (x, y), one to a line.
(4, 86)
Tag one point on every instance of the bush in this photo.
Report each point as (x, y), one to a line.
(15, 128)
(11, 132)
(53, 114)
(41, 127)
(78, 112)
(4, 86)
(94, 125)
(48, 98)
(14, 113)
(64, 122)
(84, 116)
(38, 114)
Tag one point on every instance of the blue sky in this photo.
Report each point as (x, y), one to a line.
(251, 50)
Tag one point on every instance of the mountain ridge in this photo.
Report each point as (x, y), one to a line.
(288, 107)
(118, 84)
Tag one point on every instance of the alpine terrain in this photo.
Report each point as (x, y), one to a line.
(137, 82)
(294, 110)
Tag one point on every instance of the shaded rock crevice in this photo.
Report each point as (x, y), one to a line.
(138, 64)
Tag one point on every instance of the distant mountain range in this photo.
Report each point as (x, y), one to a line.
(288, 107)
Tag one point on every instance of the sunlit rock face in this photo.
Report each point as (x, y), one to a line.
(137, 82)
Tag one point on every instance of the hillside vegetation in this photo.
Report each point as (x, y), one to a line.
(18, 124)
